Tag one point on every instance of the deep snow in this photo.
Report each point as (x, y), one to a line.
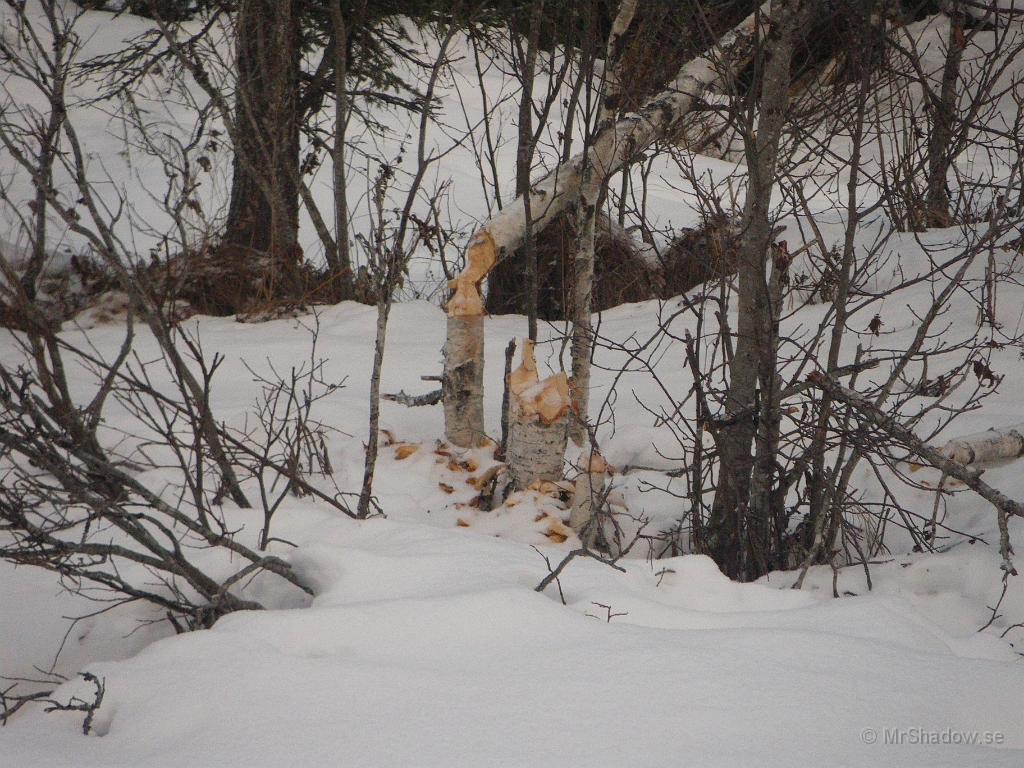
(426, 645)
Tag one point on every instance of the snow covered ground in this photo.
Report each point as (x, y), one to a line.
(427, 647)
(426, 644)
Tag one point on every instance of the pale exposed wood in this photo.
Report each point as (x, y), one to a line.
(556, 489)
(481, 256)
(538, 422)
(526, 374)
(547, 401)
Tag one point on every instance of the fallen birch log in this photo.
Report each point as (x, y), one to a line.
(986, 447)
(618, 142)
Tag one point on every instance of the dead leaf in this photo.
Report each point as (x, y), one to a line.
(480, 481)
(405, 450)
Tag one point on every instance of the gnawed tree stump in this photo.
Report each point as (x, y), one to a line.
(986, 447)
(589, 489)
(462, 385)
(538, 423)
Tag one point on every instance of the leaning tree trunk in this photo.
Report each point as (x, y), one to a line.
(263, 214)
(612, 147)
(538, 420)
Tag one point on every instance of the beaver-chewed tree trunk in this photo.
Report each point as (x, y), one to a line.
(462, 385)
(538, 423)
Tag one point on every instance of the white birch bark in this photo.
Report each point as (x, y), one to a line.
(538, 420)
(612, 146)
(586, 224)
(617, 142)
(462, 384)
(986, 447)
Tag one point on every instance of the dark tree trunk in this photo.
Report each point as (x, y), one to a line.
(263, 215)
(738, 531)
(940, 139)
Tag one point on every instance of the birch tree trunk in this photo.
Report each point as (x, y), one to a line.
(462, 385)
(524, 164)
(591, 187)
(538, 416)
(981, 448)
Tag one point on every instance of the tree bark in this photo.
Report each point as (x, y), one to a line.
(462, 384)
(342, 261)
(263, 213)
(944, 108)
(524, 164)
(982, 448)
(538, 415)
(373, 438)
(591, 188)
(737, 530)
